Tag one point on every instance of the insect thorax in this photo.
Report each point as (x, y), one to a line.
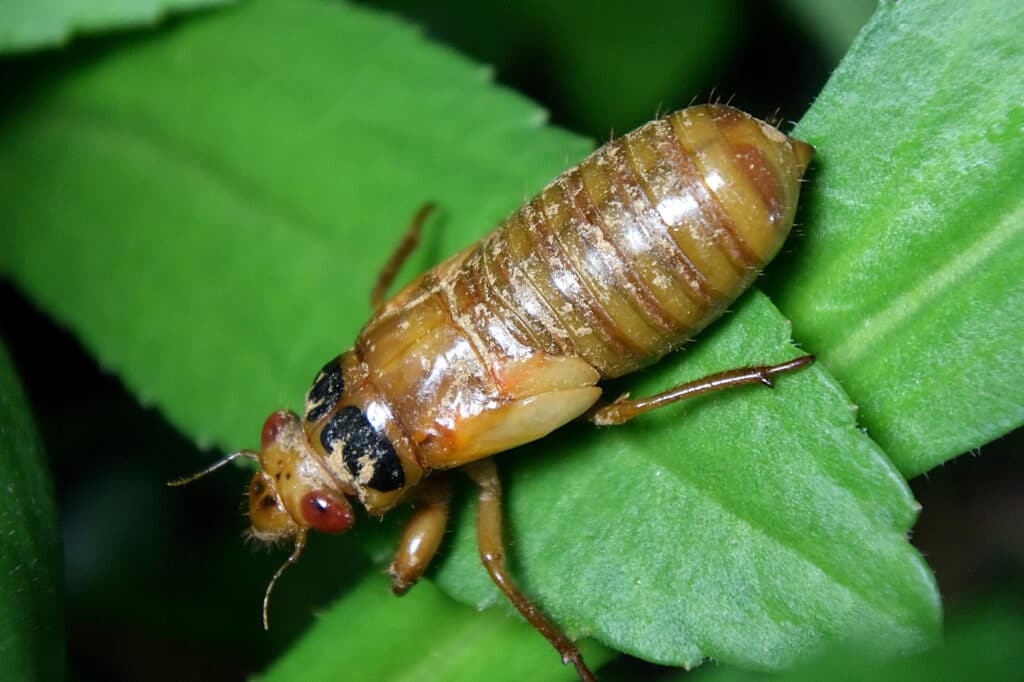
(353, 429)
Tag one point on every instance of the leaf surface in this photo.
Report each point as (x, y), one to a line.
(908, 282)
(745, 526)
(368, 635)
(981, 644)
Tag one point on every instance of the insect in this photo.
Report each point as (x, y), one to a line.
(618, 261)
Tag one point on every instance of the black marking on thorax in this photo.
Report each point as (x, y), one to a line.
(368, 455)
(327, 389)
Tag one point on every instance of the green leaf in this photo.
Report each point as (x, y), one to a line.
(35, 24)
(746, 526)
(908, 280)
(982, 644)
(207, 209)
(32, 619)
(426, 636)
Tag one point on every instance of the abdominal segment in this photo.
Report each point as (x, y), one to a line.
(618, 261)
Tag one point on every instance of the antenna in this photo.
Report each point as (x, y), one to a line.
(213, 467)
(300, 544)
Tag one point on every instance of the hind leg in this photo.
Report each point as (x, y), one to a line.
(492, 554)
(622, 410)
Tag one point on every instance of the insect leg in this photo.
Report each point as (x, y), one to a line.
(492, 553)
(394, 264)
(422, 535)
(622, 410)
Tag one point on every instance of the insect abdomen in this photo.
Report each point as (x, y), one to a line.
(618, 261)
(629, 254)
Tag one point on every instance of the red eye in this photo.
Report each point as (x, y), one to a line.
(275, 424)
(327, 514)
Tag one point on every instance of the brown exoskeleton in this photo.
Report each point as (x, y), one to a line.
(618, 261)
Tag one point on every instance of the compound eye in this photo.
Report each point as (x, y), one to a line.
(326, 513)
(276, 423)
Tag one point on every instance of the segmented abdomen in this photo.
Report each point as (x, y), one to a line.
(627, 255)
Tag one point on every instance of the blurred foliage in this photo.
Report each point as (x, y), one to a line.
(611, 66)
(31, 621)
(36, 24)
(605, 66)
(833, 24)
(111, 456)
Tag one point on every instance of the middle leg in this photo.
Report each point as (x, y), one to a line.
(398, 258)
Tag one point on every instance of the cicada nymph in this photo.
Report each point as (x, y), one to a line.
(617, 262)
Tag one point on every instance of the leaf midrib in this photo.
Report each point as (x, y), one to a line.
(865, 339)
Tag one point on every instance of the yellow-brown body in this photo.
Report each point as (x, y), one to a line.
(618, 261)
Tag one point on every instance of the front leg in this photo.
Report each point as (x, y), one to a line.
(492, 553)
(422, 535)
